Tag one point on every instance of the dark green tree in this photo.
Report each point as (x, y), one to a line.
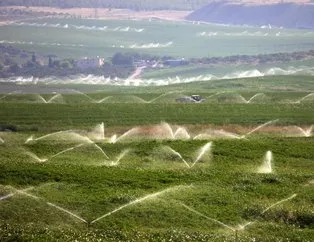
(122, 60)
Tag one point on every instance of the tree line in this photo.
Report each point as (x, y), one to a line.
(17, 62)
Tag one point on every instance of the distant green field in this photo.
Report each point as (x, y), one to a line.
(207, 72)
(75, 38)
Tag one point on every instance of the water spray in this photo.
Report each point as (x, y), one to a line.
(239, 227)
(139, 200)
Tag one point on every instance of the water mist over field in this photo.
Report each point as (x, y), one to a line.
(94, 79)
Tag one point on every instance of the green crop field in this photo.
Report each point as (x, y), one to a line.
(75, 38)
(143, 167)
(83, 162)
(248, 102)
(59, 188)
(37, 116)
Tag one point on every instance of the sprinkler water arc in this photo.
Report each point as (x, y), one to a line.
(239, 227)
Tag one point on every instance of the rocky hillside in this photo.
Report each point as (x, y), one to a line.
(287, 15)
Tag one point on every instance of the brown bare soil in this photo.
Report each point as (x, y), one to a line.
(193, 130)
(101, 13)
(105, 13)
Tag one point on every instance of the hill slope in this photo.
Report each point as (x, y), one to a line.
(288, 15)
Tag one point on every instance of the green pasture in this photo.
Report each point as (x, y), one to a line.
(76, 38)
